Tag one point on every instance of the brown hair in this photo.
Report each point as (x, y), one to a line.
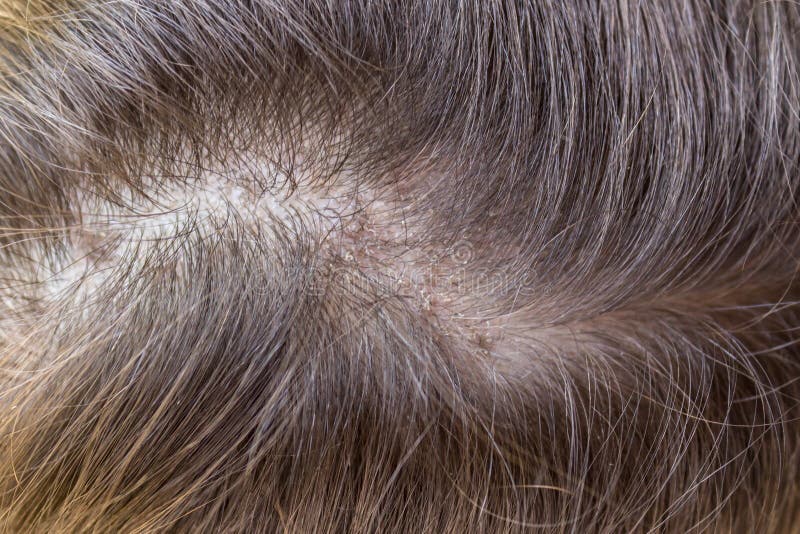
(399, 266)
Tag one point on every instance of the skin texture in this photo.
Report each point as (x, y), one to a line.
(399, 266)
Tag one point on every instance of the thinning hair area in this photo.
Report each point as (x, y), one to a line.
(377, 266)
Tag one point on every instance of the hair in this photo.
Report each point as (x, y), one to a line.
(421, 266)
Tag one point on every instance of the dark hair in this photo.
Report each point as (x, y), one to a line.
(384, 266)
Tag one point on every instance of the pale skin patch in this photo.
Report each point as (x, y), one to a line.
(379, 237)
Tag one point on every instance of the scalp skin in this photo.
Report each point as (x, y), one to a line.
(399, 266)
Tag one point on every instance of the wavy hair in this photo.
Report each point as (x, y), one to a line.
(377, 266)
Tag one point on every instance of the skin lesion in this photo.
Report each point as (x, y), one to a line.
(369, 237)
